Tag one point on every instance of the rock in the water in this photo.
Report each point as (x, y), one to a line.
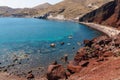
(70, 37)
(62, 43)
(68, 44)
(65, 58)
(88, 43)
(52, 45)
(79, 43)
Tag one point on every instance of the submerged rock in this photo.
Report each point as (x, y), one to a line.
(79, 43)
(52, 45)
(62, 43)
(70, 36)
(68, 44)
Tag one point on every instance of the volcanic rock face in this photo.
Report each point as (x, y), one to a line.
(108, 14)
(99, 56)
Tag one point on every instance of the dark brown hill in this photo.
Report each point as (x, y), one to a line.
(108, 14)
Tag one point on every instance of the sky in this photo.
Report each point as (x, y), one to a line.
(25, 3)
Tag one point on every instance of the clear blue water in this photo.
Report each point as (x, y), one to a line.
(19, 36)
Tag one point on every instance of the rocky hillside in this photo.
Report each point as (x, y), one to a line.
(99, 56)
(5, 9)
(42, 6)
(68, 9)
(108, 14)
(22, 12)
(26, 12)
(98, 60)
(73, 9)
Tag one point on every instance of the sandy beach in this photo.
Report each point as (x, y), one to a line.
(109, 31)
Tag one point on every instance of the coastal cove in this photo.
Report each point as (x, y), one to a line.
(26, 42)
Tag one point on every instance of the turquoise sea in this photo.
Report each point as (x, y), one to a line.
(21, 37)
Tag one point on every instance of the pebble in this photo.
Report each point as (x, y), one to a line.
(62, 43)
(79, 43)
(70, 37)
(68, 44)
(52, 45)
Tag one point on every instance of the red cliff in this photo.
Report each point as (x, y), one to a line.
(108, 14)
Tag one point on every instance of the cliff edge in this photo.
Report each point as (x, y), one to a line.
(108, 14)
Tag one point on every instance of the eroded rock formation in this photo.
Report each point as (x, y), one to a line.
(108, 14)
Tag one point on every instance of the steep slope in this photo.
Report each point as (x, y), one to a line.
(108, 14)
(71, 9)
(98, 60)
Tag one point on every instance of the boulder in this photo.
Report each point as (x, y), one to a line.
(88, 43)
(56, 72)
(72, 68)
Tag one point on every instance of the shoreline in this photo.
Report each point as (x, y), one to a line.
(98, 27)
(109, 31)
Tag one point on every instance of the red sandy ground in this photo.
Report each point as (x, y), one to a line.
(106, 70)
